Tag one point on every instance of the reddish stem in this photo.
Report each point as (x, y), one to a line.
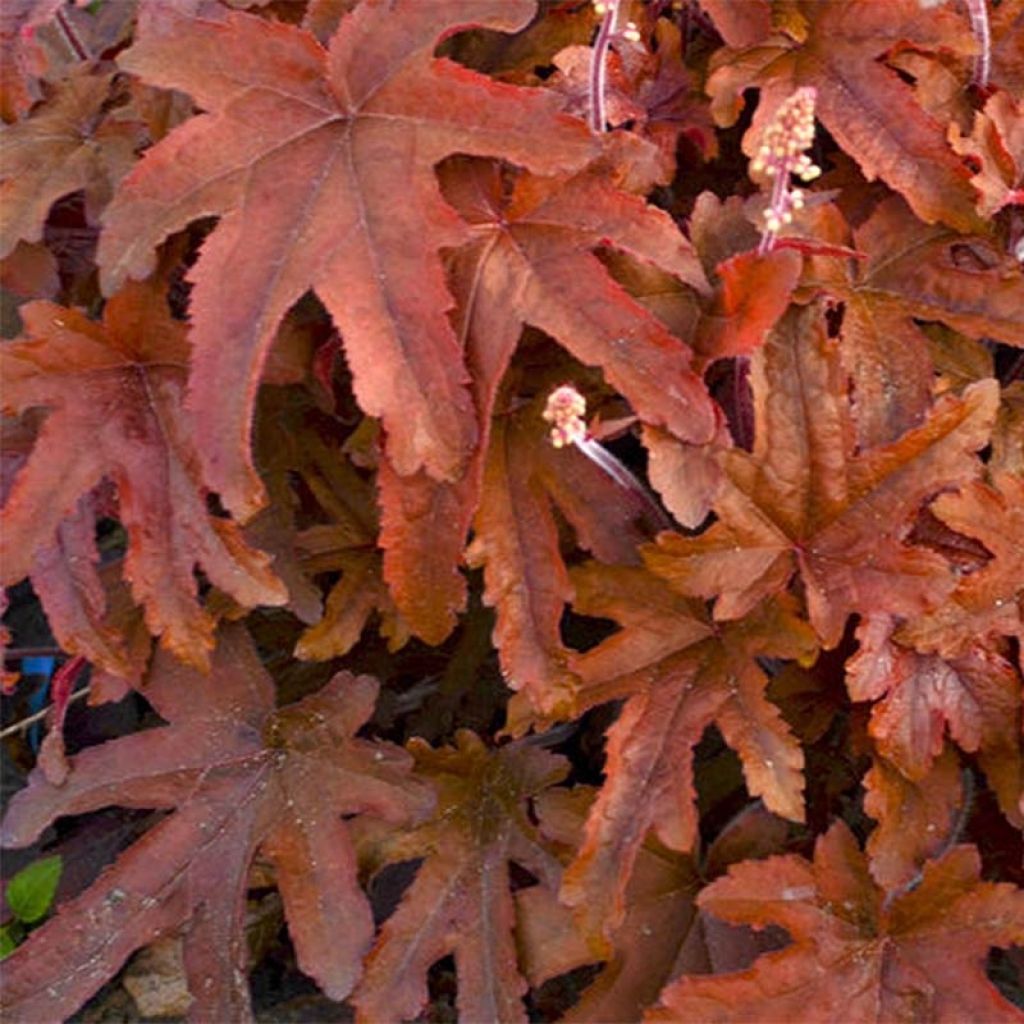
(71, 37)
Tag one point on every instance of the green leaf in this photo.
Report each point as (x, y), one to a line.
(30, 892)
(9, 938)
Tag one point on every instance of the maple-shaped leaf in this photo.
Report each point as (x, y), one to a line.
(240, 778)
(838, 48)
(917, 819)
(516, 540)
(854, 956)
(460, 902)
(114, 390)
(681, 673)
(975, 695)
(660, 918)
(531, 262)
(319, 163)
(996, 144)
(805, 499)
(909, 270)
(987, 602)
(69, 143)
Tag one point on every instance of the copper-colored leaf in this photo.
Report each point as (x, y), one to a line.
(976, 695)
(114, 392)
(309, 201)
(987, 602)
(240, 777)
(658, 927)
(517, 542)
(680, 675)
(853, 957)
(803, 499)
(910, 270)
(531, 261)
(753, 292)
(916, 819)
(68, 143)
(996, 144)
(534, 240)
(460, 901)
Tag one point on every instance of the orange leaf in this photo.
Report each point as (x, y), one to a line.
(680, 675)
(239, 777)
(302, 153)
(68, 143)
(114, 390)
(853, 957)
(803, 499)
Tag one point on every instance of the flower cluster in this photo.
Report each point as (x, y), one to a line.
(783, 153)
(565, 410)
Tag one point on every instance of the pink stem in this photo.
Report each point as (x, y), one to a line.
(978, 11)
(599, 67)
(604, 459)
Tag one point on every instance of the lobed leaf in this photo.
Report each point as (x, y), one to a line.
(301, 152)
(852, 954)
(460, 901)
(114, 390)
(239, 777)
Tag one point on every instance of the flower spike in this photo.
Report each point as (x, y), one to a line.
(783, 153)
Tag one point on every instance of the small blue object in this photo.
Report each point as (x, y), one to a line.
(44, 667)
(38, 666)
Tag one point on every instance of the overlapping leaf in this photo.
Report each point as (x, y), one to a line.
(917, 818)
(320, 164)
(838, 48)
(987, 603)
(854, 955)
(240, 777)
(681, 673)
(975, 695)
(804, 500)
(516, 540)
(114, 391)
(531, 262)
(67, 144)
(910, 271)
(996, 144)
(460, 902)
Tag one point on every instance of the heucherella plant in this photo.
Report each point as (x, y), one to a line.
(504, 571)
